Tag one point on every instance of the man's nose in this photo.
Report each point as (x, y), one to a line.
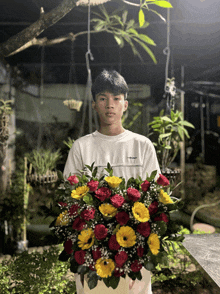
(109, 103)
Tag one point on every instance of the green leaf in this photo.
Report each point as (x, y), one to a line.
(60, 175)
(113, 282)
(165, 118)
(149, 266)
(130, 24)
(94, 173)
(164, 4)
(146, 39)
(162, 136)
(161, 227)
(92, 282)
(88, 199)
(119, 40)
(133, 31)
(141, 18)
(124, 16)
(147, 49)
(187, 124)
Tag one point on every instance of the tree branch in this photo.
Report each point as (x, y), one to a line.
(28, 35)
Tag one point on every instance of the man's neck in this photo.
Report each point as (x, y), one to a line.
(111, 130)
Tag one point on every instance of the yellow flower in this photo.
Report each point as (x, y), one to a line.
(126, 237)
(63, 219)
(104, 267)
(108, 210)
(164, 197)
(86, 239)
(113, 182)
(79, 192)
(154, 243)
(140, 212)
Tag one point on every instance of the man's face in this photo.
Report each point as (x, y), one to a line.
(110, 107)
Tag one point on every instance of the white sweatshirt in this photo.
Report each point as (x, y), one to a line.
(130, 155)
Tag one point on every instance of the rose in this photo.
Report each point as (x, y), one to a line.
(121, 258)
(144, 229)
(133, 194)
(118, 273)
(136, 266)
(103, 193)
(93, 185)
(153, 208)
(73, 209)
(145, 186)
(73, 180)
(62, 204)
(163, 181)
(80, 256)
(122, 218)
(78, 224)
(88, 214)
(100, 232)
(68, 246)
(117, 200)
(162, 217)
(112, 243)
(140, 251)
(96, 253)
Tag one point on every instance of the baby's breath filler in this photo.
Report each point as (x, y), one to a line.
(112, 227)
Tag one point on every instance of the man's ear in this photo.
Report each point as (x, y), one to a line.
(125, 105)
(93, 105)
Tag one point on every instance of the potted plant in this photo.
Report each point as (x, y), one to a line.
(168, 132)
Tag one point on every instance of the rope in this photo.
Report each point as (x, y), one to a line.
(166, 51)
(42, 75)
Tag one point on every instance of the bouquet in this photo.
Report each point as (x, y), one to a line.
(111, 228)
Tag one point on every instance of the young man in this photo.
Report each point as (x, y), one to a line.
(130, 154)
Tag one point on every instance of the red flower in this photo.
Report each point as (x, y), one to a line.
(80, 256)
(100, 232)
(118, 273)
(73, 180)
(136, 266)
(112, 243)
(145, 186)
(133, 194)
(140, 251)
(78, 224)
(117, 200)
(88, 214)
(144, 229)
(103, 193)
(73, 209)
(163, 181)
(162, 217)
(96, 253)
(93, 185)
(63, 204)
(68, 246)
(121, 258)
(153, 208)
(122, 218)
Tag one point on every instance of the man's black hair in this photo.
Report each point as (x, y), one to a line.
(111, 81)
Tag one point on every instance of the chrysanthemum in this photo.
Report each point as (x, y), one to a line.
(108, 210)
(113, 181)
(86, 239)
(62, 219)
(104, 267)
(164, 197)
(154, 243)
(126, 237)
(79, 192)
(140, 212)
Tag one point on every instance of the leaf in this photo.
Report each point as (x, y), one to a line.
(147, 39)
(162, 136)
(141, 18)
(94, 173)
(119, 40)
(164, 4)
(130, 24)
(92, 282)
(60, 175)
(124, 16)
(133, 31)
(113, 282)
(147, 49)
(166, 118)
(88, 199)
(187, 124)
(149, 266)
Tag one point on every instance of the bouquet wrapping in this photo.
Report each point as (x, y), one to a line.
(110, 228)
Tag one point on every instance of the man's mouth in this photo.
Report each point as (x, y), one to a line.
(109, 113)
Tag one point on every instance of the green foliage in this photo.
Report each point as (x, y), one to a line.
(36, 273)
(43, 160)
(5, 107)
(168, 131)
(69, 142)
(124, 30)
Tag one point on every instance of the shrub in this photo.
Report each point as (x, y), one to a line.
(36, 273)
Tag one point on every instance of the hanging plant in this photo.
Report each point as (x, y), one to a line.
(5, 111)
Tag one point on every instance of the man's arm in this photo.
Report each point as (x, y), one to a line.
(74, 161)
(150, 160)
